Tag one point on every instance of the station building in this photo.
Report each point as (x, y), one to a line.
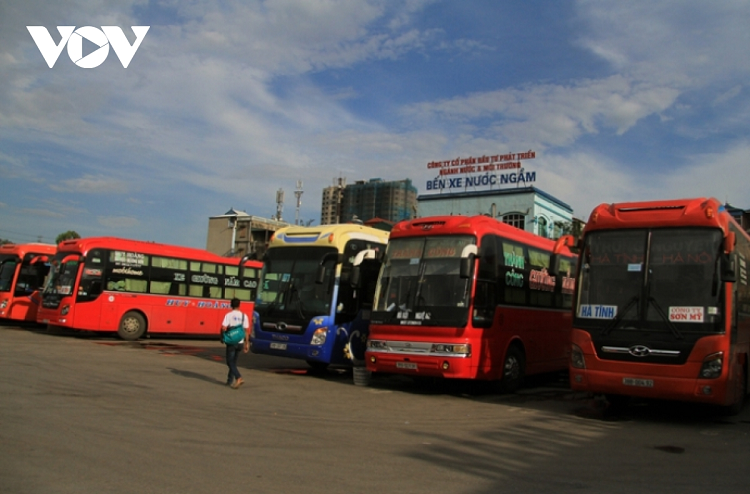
(236, 233)
(527, 208)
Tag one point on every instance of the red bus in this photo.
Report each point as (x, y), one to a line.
(471, 298)
(23, 268)
(662, 306)
(133, 287)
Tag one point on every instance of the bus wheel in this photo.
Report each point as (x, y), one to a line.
(513, 370)
(132, 326)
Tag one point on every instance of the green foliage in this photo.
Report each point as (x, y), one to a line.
(70, 234)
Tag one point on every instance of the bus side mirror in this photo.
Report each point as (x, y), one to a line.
(728, 272)
(554, 262)
(468, 255)
(354, 276)
(321, 275)
(333, 256)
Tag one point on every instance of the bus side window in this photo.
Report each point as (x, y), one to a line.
(513, 274)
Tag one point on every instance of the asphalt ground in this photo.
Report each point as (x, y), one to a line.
(92, 414)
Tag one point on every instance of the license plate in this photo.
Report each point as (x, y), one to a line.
(406, 365)
(278, 346)
(640, 383)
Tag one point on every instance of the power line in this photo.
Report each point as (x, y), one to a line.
(19, 237)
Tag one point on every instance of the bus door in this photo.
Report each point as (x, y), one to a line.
(169, 280)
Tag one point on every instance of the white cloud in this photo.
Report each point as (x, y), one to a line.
(721, 175)
(550, 114)
(91, 185)
(684, 42)
(586, 179)
(117, 222)
(41, 212)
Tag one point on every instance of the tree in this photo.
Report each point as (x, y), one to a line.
(70, 234)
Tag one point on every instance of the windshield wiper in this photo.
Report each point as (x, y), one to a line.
(670, 324)
(617, 320)
(292, 291)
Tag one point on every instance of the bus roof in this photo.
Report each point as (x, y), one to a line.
(84, 245)
(327, 235)
(706, 212)
(21, 250)
(468, 225)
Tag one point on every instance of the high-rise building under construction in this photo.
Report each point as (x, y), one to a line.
(392, 201)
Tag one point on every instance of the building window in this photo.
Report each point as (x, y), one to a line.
(542, 230)
(515, 219)
(559, 229)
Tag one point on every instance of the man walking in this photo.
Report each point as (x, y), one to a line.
(235, 318)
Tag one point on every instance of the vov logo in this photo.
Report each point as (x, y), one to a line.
(103, 38)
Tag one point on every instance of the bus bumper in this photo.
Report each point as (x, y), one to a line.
(448, 367)
(711, 391)
(293, 350)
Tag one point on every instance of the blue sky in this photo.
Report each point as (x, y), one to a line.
(225, 102)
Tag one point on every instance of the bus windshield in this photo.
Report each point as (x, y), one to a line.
(420, 281)
(7, 272)
(664, 279)
(63, 278)
(288, 282)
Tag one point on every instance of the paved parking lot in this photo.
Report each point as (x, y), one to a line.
(92, 414)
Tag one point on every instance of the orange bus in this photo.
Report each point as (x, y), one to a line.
(662, 307)
(132, 287)
(471, 298)
(23, 269)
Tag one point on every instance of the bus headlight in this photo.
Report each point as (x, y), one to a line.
(462, 349)
(712, 365)
(319, 336)
(65, 310)
(4, 304)
(577, 361)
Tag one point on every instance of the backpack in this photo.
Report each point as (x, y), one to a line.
(234, 334)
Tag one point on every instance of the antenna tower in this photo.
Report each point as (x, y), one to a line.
(298, 195)
(279, 204)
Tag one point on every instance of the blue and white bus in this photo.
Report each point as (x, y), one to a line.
(316, 293)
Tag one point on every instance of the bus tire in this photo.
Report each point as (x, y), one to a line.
(361, 376)
(514, 366)
(132, 326)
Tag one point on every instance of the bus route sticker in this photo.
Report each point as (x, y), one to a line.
(597, 311)
(686, 314)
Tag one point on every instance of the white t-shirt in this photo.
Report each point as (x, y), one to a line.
(234, 318)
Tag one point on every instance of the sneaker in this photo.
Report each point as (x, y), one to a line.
(237, 383)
